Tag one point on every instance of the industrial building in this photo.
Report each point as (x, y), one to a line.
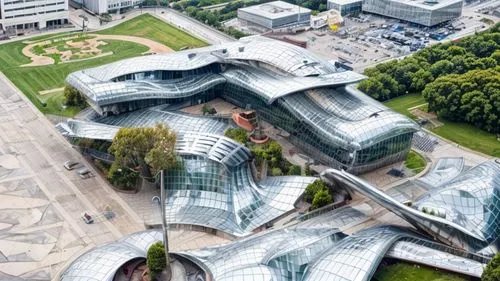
(19, 16)
(275, 14)
(423, 12)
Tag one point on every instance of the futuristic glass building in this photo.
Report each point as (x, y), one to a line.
(462, 209)
(289, 87)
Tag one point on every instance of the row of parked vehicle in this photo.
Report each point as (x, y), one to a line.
(84, 173)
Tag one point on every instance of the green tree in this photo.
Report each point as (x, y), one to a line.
(321, 199)
(73, 97)
(492, 270)
(441, 67)
(149, 149)
(420, 79)
(156, 260)
(123, 177)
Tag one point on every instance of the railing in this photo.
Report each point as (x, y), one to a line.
(103, 156)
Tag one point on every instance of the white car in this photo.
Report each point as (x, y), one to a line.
(84, 173)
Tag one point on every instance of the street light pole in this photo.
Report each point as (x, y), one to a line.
(164, 218)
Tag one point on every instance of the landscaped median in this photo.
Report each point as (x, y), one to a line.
(38, 66)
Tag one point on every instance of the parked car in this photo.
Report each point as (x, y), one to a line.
(87, 218)
(70, 165)
(84, 173)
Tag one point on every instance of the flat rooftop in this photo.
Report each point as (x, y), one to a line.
(344, 2)
(276, 9)
(428, 4)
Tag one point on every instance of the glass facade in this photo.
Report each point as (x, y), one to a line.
(422, 12)
(291, 88)
(214, 187)
(463, 211)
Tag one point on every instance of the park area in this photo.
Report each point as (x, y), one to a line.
(461, 133)
(38, 66)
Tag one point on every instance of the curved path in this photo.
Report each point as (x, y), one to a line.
(154, 47)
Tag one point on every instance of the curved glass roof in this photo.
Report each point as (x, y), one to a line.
(101, 263)
(105, 128)
(270, 86)
(346, 119)
(215, 187)
(445, 170)
(122, 91)
(462, 212)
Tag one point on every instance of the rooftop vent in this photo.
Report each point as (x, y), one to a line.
(241, 49)
(224, 51)
(191, 55)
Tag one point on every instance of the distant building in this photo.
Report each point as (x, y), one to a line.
(275, 14)
(327, 18)
(107, 6)
(345, 7)
(424, 12)
(18, 16)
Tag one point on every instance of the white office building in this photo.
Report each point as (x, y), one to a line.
(107, 6)
(18, 16)
(275, 15)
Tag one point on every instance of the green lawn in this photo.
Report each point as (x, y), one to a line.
(469, 136)
(408, 272)
(464, 134)
(401, 104)
(148, 26)
(415, 162)
(32, 80)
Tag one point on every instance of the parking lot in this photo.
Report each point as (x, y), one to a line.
(369, 39)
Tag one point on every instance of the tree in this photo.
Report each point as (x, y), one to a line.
(321, 199)
(441, 67)
(74, 97)
(149, 149)
(123, 177)
(492, 270)
(156, 260)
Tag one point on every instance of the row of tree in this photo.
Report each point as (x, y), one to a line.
(446, 63)
(214, 17)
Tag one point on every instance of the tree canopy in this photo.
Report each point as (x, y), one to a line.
(73, 97)
(156, 259)
(148, 149)
(459, 79)
(492, 270)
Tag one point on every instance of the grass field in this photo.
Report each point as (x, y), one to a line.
(401, 104)
(32, 80)
(148, 26)
(415, 162)
(464, 134)
(408, 272)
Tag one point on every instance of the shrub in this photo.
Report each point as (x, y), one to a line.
(156, 258)
(492, 270)
(237, 134)
(312, 189)
(321, 199)
(294, 170)
(276, 172)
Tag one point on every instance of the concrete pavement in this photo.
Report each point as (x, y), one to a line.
(41, 203)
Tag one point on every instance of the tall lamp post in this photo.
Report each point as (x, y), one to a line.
(164, 218)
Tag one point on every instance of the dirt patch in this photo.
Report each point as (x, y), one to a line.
(427, 115)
